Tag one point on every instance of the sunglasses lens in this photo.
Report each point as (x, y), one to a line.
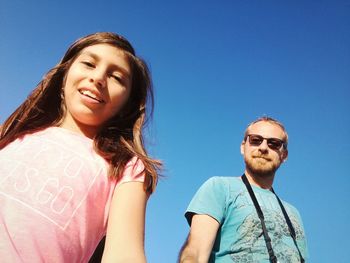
(255, 140)
(274, 144)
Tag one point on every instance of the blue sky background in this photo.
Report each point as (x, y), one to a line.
(216, 66)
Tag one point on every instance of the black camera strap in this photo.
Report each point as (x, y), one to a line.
(272, 256)
(290, 225)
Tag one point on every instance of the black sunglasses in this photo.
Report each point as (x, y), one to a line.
(272, 143)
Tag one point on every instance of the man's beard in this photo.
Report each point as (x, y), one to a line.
(261, 166)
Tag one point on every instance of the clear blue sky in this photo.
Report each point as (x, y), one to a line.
(216, 66)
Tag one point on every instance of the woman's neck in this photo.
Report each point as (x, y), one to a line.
(73, 125)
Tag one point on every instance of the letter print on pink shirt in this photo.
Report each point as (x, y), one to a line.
(53, 178)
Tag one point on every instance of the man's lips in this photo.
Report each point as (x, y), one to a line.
(91, 94)
(262, 157)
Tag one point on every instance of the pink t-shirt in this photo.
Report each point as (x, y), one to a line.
(55, 197)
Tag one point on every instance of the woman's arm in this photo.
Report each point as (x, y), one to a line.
(126, 225)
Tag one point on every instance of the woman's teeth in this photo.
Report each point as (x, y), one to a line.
(90, 94)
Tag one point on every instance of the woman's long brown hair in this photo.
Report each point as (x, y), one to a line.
(121, 138)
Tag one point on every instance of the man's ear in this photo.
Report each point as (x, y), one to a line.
(242, 147)
(284, 155)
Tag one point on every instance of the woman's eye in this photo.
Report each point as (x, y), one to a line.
(89, 64)
(117, 78)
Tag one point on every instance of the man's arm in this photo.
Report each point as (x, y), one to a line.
(200, 240)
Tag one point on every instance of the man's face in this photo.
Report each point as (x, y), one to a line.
(263, 159)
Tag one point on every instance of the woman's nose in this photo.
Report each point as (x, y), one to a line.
(98, 78)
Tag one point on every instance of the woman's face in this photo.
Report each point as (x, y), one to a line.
(98, 84)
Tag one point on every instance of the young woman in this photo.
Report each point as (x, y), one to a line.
(73, 166)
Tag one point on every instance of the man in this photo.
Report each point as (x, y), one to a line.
(228, 226)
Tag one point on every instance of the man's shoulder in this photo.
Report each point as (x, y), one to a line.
(290, 207)
(212, 198)
(222, 182)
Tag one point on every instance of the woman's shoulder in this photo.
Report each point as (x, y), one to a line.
(133, 171)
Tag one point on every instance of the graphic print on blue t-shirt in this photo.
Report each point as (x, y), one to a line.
(252, 240)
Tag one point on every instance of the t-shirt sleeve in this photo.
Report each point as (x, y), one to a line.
(210, 199)
(133, 172)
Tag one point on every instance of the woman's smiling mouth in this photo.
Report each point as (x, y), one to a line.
(90, 94)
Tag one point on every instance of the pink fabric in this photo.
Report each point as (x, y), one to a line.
(55, 197)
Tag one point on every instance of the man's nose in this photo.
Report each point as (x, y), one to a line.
(263, 146)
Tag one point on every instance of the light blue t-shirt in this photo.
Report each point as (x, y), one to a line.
(239, 238)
